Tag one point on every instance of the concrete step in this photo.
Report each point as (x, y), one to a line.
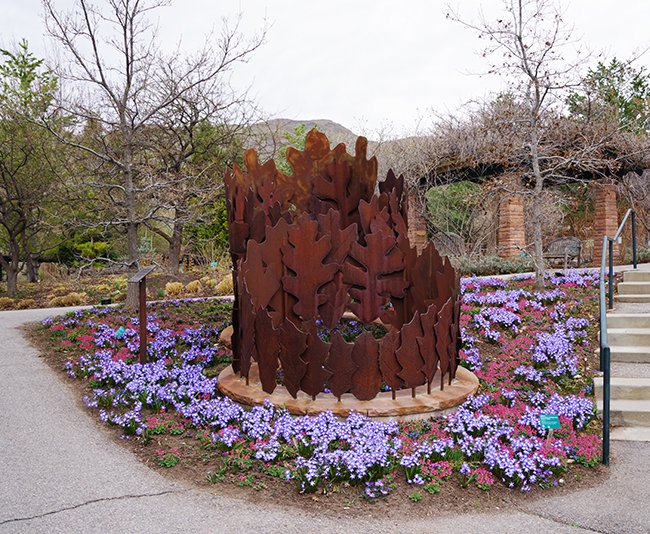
(633, 298)
(628, 337)
(628, 320)
(636, 276)
(634, 288)
(630, 433)
(630, 354)
(637, 370)
(628, 412)
(624, 388)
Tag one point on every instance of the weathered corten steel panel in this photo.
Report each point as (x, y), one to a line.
(310, 247)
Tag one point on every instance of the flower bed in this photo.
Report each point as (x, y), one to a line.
(532, 351)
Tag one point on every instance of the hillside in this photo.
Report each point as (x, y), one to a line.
(269, 136)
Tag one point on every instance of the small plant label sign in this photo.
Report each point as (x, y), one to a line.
(549, 421)
(119, 333)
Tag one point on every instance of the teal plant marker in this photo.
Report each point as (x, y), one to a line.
(119, 333)
(549, 422)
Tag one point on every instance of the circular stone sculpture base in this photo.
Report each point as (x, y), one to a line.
(404, 407)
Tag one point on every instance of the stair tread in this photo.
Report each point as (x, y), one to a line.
(639, 370)
(627, 405)
(630, 433)
(625, 315)
(625, 380)
(629, 348)
(628, 330)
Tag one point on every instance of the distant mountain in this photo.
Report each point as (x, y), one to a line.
(269, 136)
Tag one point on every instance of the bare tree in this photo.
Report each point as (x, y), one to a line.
(528, 40)
(191, 143)
(118, 80)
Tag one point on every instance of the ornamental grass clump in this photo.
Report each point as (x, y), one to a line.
(542, 362)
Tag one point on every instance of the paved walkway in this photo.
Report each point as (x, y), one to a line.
(60, 473)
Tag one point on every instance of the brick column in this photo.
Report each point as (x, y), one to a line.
(605, 217)
(512, 234)
(417, 230)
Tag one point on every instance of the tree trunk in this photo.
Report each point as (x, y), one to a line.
(538, 244)
(12, 282)
(132, 296)
(12, 266)
(174, 251)
(32, 271)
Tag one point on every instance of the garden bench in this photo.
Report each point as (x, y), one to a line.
(566, 249)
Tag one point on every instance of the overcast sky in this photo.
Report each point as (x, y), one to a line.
(367, 64)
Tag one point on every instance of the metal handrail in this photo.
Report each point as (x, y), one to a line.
(605, 351)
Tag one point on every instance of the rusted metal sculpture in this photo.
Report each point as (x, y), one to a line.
(311, 247)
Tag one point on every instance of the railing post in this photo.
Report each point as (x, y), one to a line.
(634, 257)
(611, 274)
(606, 402)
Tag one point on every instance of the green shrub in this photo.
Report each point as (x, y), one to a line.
(642, 255)
(224, 287)
(490, 265)
(6, 303)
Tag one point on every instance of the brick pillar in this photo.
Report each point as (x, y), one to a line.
(512, 234)
(605, 217)
(417, 230)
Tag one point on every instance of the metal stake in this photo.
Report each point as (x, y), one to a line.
(143, 319)
(634, 257)
(606, 402)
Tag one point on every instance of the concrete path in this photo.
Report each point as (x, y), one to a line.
(60, 473)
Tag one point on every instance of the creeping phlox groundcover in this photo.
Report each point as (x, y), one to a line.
(531, 350)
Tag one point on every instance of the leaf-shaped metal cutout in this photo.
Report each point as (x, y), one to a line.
(332, 185)
(293, 343)
(335, 293)
(339, 363)
(427, 343)
(364, 171)
(313, 382)
(304, 255)
(454, 345)
(341, 238)
(247, 329)
(337, 300)
(373, 277)
(262, 279)
(443, 338)
(388, 364)
(371, 211)
(432, 280)
(304, 164)
(268, 348)
(392, 183)
(408, 354)
(398, 220)
(366, 381)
